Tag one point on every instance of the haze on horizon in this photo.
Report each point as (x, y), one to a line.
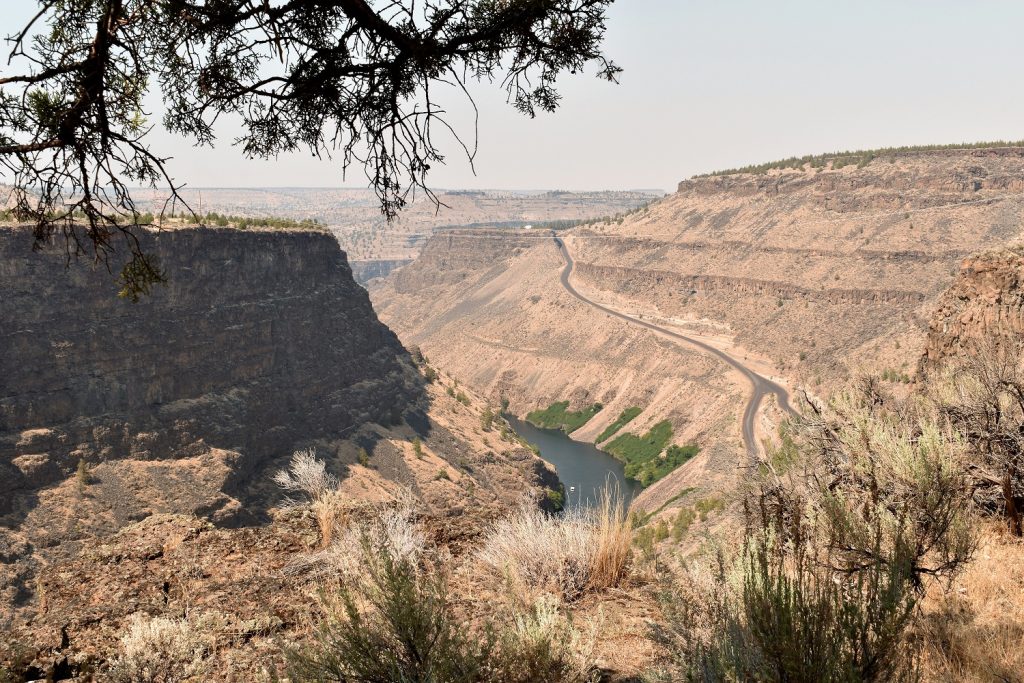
(708, 86)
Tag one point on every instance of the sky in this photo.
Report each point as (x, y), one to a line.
(710, 84)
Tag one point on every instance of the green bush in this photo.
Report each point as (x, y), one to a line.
(556, 497)
(624, 418)
(642, 454)
(396, 624)
(487, 419)
(681, 523)
(837, 554)
(802, 624)
(405, 633)
(558, 416)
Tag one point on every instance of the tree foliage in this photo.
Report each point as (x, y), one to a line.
(356, 79)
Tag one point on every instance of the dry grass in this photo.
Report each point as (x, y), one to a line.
(566, 555)
(160, 650)
(307, 475)
(975, 630)
(390, 529)
(613, 539)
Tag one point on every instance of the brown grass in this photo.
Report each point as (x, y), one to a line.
(568, 554)
(974, 631)
(613, 539)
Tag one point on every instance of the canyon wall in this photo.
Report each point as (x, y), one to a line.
(807, 276)
(258, 341)
(984, 305)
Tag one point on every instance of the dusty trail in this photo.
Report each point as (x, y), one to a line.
(760, 386)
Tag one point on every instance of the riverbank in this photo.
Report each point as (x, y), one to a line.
(582, 467)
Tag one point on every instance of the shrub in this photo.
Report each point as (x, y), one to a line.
(397, 624)
(837, 552)
(624, 418)
(364, 457)
(565, 555)
(556, 497)
(558, 416)
(983, 395)
(82, 475)
(159, 650)
(307, 475)
(542, 646)
(789, 621)
(417, 447)
(442, 474)
(681, 523)
(705, 506)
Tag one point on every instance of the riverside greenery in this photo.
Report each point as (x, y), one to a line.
(558, 416)
(642, 454)
(624, 418)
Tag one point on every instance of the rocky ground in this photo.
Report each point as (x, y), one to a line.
(133, 538)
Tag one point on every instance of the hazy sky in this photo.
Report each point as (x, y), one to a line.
(717, 83)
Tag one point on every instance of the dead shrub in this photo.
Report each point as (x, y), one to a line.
(160, 650)
(307, 475)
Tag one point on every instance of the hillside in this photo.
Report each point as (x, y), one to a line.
(152, 424)
(807, 276)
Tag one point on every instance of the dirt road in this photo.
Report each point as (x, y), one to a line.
(760, 386)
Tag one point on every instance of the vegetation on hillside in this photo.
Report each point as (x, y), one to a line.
(642, 455)
(243, 222)
(840, 548)
(624, 418)
(388, 614)
(859, 158)
(558, 416)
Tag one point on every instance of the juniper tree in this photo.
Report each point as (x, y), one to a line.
(351, 79)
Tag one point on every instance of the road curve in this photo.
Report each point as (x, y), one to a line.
(760, 386)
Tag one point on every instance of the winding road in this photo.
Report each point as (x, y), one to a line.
(760, 385)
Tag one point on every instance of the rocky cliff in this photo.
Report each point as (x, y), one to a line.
(985, 304)
(258, 341)
(125, 425)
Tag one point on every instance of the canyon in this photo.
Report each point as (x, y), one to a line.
(133, 434)
(809, 276)
(138, 440)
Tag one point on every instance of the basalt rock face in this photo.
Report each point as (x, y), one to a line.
(985, 304)
(258, 341)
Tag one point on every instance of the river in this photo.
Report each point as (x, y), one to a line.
(581, 466)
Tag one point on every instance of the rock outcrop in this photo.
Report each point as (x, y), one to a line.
(985, 304)
(259, 341)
